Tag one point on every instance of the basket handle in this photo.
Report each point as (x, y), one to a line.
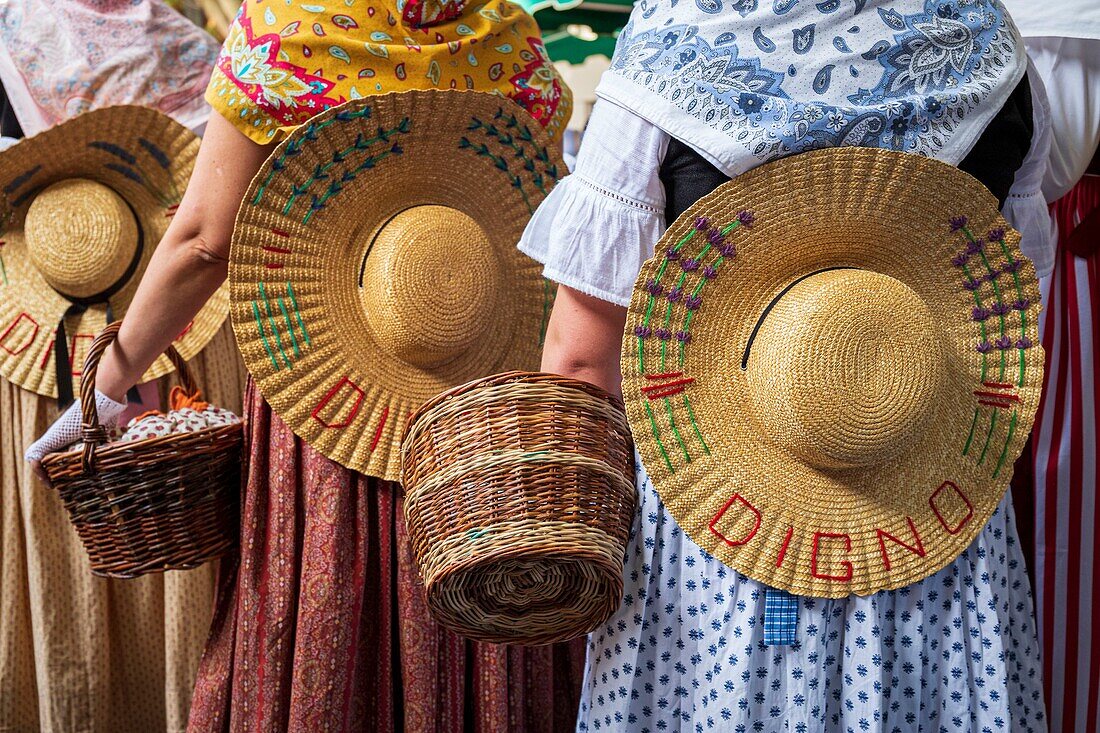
(91, 432)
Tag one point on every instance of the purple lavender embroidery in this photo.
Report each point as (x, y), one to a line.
(653, 288)
(957, 223)
(683, 337)
(980, 314)
(642, 332)
(715, 237)
(746, 218)
(1000, 309)
(1013, 266)
(960, 260)
(1021, 305)
(973, 248)
(728, 250)
(984, 347)
(1023, 343)
(663, 333)
(675, 295)
(672, 254)
(1004, 342)
(692, 302)
(702, 223)
(710, 272)
(690, 265)
(996, 235)
(971, 284)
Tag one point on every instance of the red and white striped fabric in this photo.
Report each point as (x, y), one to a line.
(1066, 559)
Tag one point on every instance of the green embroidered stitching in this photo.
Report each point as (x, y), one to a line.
(298, 313)
(695, 425)
(481, 149)
(320, 171)
(263, 336)
(996, 292)
(289, 326)
(970, 437)
(1023, 313)
(1008, 441)
(335, 187)
(988, 436)
(981, 325)
(657, 437)
(274, 328)
(294, 147)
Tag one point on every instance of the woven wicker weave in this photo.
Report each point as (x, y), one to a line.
(519, 496)
(166, 503)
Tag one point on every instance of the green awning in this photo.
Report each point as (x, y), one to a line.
(576, 29)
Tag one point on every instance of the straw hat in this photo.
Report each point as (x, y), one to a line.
(830, 366)
(374, 264)
(82, 207)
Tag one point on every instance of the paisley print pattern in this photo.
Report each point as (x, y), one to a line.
(751, 83)
(284, 62)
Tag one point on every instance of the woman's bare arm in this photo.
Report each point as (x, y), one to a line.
(584, 338)
(190, 262)
(188, 265)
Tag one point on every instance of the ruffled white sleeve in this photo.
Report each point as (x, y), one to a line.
(600, 223)
(1025, 208)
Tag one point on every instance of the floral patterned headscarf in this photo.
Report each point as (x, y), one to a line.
(747, 81)
(284, 62)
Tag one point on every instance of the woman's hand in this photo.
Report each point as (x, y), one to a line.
(584, 338)
(189, 264)
(66, 431)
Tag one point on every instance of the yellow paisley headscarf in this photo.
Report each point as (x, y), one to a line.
(284, 61)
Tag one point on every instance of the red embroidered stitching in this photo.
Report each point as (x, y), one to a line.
(72, 352)
(276, 250)
(378, 432)
(666, 389)
(46, 354)
(783, 549)
(279, 233)
(315, 414)
(11, 327)
(844, 563)
(722, 511)
(917, 550)
(969, 506)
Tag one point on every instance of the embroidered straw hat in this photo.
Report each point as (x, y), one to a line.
(830, 365)
(374, 264)
(82, 207)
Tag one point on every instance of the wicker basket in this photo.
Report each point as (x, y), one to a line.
(519, 497)
(165, 503)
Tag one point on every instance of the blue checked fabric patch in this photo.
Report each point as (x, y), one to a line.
(780, 617)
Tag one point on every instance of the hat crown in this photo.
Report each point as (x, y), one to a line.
(845, 369)
(82, 237)
(429, 285)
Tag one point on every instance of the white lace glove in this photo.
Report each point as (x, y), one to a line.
(66, 430)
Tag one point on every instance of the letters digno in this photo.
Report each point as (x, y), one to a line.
(738, 522)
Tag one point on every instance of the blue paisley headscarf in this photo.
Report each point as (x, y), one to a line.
(747, 81)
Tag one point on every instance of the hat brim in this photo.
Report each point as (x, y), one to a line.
(299, 243)
(759, 508)
(146, 158)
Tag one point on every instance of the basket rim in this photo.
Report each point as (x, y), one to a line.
(108, 450)
(515, 376)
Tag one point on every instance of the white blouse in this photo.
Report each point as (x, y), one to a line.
(599, 224)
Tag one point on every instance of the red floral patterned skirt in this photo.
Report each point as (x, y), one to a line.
(322, 625)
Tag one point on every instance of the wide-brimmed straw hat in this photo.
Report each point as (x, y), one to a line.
(83, 206)
(374, 264)
(830, 365)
